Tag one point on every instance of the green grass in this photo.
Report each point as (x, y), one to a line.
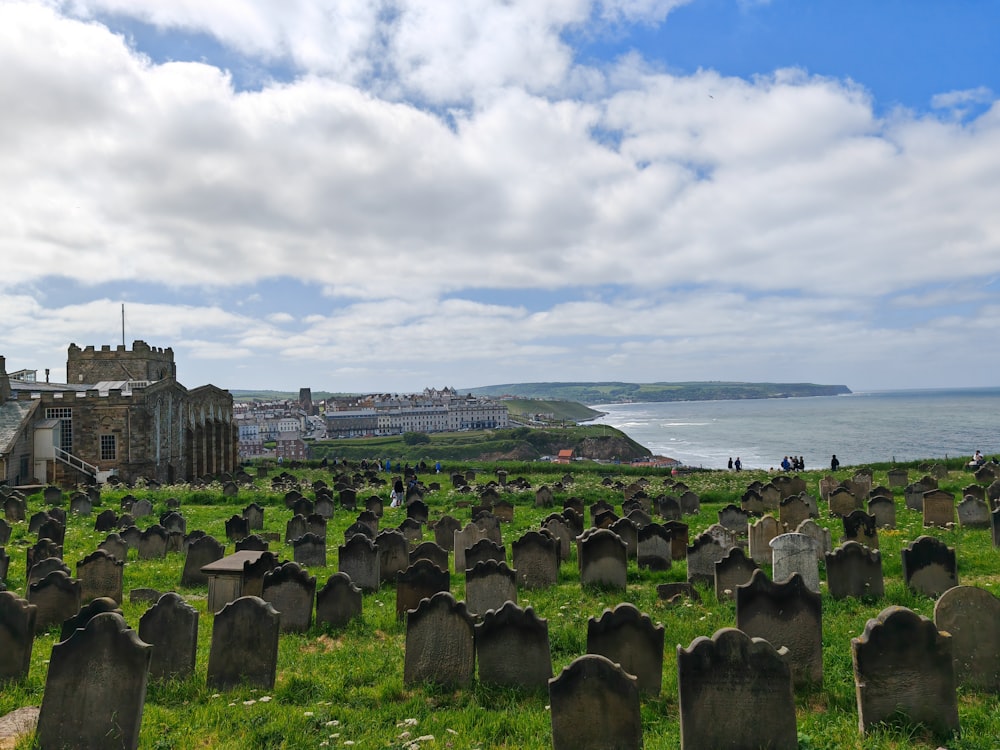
(338, 687)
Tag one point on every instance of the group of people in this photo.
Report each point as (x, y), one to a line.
(736, 465)
(793, 463)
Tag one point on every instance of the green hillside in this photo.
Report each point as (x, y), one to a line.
(532, 410)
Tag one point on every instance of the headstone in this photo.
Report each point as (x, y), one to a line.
(543, 497)
(373, 504)
(174, 523)
(761, 532)
(489, 584)
(735, 519)
(290, 589)
(142, 508)
(971, 616)
(310, 550)
(230, 489)
(43, 567)
(152, 543)
(316, 524)
(733, 570)
(735, 691)
(669, 508)
(903, 672)
(602, 559)
(171, 627)
(594, 705)
(678, 531)
(114, 544)
(57, 597)
(884, 511)
(421, 580)
(787, 614)
(690, 503)
(252, 543)
(358, 557)
(898, 477)
(86, 613)
(296, 527)
(52, 496)
(843, 501)
(96, 687)
(973, 513)
(704, 552)
(913, 496)
(80, 505)
(536, 559)
(854, 570)
(254, 515)
(244, 645)
(423, 551)
(52, 528)
(860, 527)
(629, 638)
(939, 508)
(819, 534)
(483, 550)
(556, 525)
(412, 530)
(302, 507)
(17, 636)
(101, 574)
(929, 566)
(418, 511)
(444, 531)
(512, 648)
(40, 550)
(796, 553)
(440, 643)
(995, 526)
(655, 547)
(393, 554)
(463, 540)
(792, 512)
(490, 525)
(4, 532)
(200, 553)
(338, 602)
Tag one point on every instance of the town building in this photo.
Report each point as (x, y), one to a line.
(122, 414)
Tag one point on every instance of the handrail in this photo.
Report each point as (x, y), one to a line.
(77, 463)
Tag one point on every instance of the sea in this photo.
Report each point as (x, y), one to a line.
(860, 428)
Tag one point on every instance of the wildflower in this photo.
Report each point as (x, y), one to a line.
(308, 713)
(265, 698)
(249, 702)
(333, 723)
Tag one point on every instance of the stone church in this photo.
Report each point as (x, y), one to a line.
(122, 413)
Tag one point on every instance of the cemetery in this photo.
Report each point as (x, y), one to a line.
(504, 606)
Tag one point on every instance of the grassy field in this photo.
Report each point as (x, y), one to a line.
(344, 688)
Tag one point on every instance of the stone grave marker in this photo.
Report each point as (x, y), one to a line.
(440, 643)
(594, 705)
(733, 570)
(412, 530)
(973, 513)
(735, 691)
(101, 574)
(254, 515)
(106, 520)
(237, 527)
(819, 534)
(423, 551)
(52, 495)
(57, 597)
(602, 559)
(843, 501)
(913, 496)
(80, 505)
(43, 567)
(939, 508)
(678, 531)
(152, 543)
(669, 508)
(394, 554)
(735, 519)
(536, 559)
(171, 627)
(860, 527)
(310, 550)
(254, 572)
(290, 590)
(655, 547)
(338, 602)
(854, 570)
(244, 645)
(976, 490)
(556, 525)
(444, 531)
(483, 550)
(690, 503)
(54, 529)
(174, 523)
(4, 532)
(752, 502)
(115, 545)
(629, 638)
(40, 550)
(489, 584)
(512, 648)
(761, 532)
(200, 553)
(324, 506)
(4, 566)
(464, 539)
(86, 613)
(302, 506)
(884, 511)
(628, 533)
(792, 512)
(898, 477)
(796, 553)
(316, 524)
(252, 543)
(490, 525)
(903, 671)
(929, 566)
(358, 557)
(543, 497)
(348, 498)
(770, 497)
(142, 508)
(421, 580)
(787, 614)
(704, 552)
(367, 518)
(295, 527)
(95, 689)
(971, 616)
(17, 636)
(14, 509)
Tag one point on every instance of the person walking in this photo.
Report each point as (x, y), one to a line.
(738, 465)
(834, 463)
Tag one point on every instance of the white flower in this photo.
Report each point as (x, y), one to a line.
(265, 699)
(308, 713)
(249, 702)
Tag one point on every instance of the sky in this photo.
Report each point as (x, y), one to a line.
(387, 195)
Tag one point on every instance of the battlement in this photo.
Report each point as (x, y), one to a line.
(142, 362)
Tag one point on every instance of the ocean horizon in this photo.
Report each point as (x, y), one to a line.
(860, 427)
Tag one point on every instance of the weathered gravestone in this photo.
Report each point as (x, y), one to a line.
(629, 638)
(854, 570)
(557, 525)
(913, 496)
(655, 547)
(761, 532)
(512, 648)
(310, 550)
(359, 558)
(971, 616)
(200, 553)
(735, 519)
(52, 496)
(628, 532)
(412, 529)
(789, 614)
(884, 511)
(115, 545)
(594, 705)
(338, 602)
(736, 692)
(860, 527)
(302, 507)
(244, 645)
(171, 627)
(290, 590)
(489, 584)
(54, 529)
(421, 580)
(440, 643)
(444, 531)
(463, 540)
(734, 569)
(4, 567)
(602, 557)
(316, 524)
(14, 509)
(4, 532)
(929, 566)
(796, 553)
(843, 501)
(142, 508)
(483, 550)
(95, 690)
(704, 552)
(295, 527)
(903, 673)
(423, 551)
(995, 526)
(174, 523)
(152, 543)
(536, 559)
(17, 636)
(253, 574)
(543, 497)
(43, 567)
(254, 515)
(86, 613)
(57, 597)
(100, 574)
(39, 551)
(973, 513)
(690, 503)
(939, 508)
(394, 554)
(237, 527)
(80, 505)
(898, 477)
(821, 536)
(252, 543)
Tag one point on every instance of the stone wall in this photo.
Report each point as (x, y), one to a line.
(142, 362)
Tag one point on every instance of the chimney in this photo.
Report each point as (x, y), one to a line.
(46, 374)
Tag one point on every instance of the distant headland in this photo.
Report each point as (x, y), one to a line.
(615, 392)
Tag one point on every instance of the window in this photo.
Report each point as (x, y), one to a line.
(65, 416)
(109, 448)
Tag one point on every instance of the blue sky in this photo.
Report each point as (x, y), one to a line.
(382, 196)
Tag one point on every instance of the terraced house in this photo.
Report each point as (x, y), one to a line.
(122, 413)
